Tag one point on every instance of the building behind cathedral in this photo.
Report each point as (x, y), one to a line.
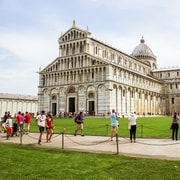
(18, 102)
(93, 77)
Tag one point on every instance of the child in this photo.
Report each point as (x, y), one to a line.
(8, 125)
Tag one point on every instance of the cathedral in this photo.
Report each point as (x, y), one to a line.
(93, 77)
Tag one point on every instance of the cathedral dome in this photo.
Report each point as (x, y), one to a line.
(142, 51)
(145, 54)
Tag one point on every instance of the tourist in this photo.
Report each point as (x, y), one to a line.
(49, 127)
(20, 121)
(132, 126)
(79, 119)
(41, 121)
(8, 125)
(114, 124)
(5, 116)
(175, 126)
(27, 121)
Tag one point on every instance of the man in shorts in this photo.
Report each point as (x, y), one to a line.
(79, 124)
(41, 122)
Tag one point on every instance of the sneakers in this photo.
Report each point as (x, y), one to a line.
(132, 141)
(74, 134)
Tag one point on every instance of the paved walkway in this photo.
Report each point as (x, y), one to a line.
(152, 148)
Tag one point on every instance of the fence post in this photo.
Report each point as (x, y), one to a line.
(141, 130)
(117, 144)
(62, 140)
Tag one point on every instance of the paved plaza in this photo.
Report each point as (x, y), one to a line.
(150, 148)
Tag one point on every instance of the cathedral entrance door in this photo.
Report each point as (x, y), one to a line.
(54, 106)
(91, 108)
(71, 103)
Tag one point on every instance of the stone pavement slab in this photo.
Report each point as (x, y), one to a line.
(143, 147)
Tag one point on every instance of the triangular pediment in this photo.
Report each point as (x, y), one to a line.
(74, 33)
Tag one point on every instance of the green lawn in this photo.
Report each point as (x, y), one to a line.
(32, 163)
(154, 127)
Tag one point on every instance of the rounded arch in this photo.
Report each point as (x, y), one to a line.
(54, 91)
(46, 91)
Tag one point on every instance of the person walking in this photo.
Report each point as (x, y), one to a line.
(79, 119)
(175, 126)
(114, 124)
(41, 121)
(132, 127)
(49, 127)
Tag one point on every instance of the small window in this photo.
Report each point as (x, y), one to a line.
(96, 50)
(123, 92)
(114, 72)
(93, 75)
(172, 100)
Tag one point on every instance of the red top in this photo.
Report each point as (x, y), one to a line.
(49, 122)
(19, 118)
(27, 118)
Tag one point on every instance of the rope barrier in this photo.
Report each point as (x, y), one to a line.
(138, 142)
(87, 144)
(44, 138)
(153, 144)
(107, 126)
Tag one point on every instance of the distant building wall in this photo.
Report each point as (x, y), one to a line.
(15, 103)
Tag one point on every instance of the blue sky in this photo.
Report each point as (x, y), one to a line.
(29, 32)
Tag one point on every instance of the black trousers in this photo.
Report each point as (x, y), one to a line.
(133, 132)
(175, 127)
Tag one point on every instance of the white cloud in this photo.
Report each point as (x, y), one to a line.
(34, 48)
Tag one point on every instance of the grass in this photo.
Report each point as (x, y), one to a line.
(149, 127)
(25, 162)
(31, 163)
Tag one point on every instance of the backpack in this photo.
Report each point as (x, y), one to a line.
(75, 119)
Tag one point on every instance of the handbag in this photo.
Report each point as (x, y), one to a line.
(129, 125)
(171, 127)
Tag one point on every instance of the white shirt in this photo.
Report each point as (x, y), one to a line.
(8, 122)
(132, 119)
(41, 119)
